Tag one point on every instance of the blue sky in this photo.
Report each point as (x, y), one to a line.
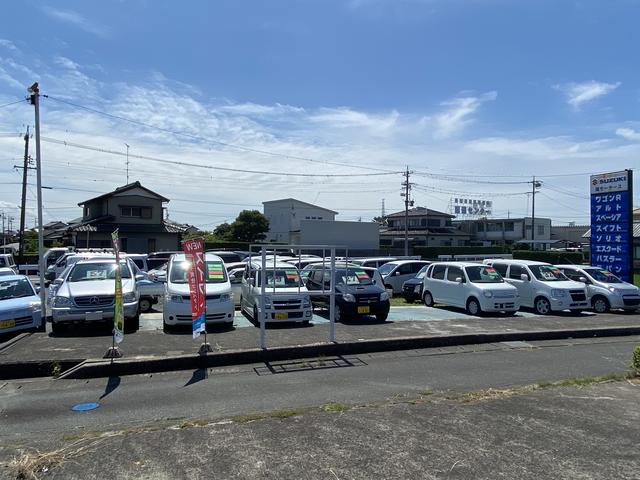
(455, 87)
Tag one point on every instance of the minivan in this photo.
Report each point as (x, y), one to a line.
(606, 291)
(286, 297)
(358, 293)
(542, 286)
(397, 272)
(476, 288)
(177, 297)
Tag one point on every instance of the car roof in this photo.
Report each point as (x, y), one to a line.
(6, 278)
(279, 264)
(373, 259)
(98, 260)
(402, 262)
(181, 257)
(510, 261)
(460, 264)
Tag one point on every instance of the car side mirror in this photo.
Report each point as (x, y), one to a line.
(397, 273)
(139, 277)
(58, 281)
(458, 279)
(37, 289)
(524, 277)
(583, 280)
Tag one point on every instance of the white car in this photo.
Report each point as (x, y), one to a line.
(177, 297)
(87, 294)
(606, 291)
(5, 271)
(286, 297)
(476, 288)
(19, 305)
(399, 271)
(542, 286)
(235, 278)
(7, 261)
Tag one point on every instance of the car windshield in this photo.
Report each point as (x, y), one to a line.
(422, 272)
(85, 272)
(602, 275)
(548, 273)
(214, 272)
(15, 289)
(282, 278)
(483, 274)
(386, 269)
(353, 276)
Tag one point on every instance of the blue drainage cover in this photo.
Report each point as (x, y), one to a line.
(85, 407)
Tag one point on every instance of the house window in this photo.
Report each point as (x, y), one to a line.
(319, 218)
(135, 212)
(508, 227)
(433, 222)
(540, 229)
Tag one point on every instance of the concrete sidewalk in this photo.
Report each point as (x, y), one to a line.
(42, 354)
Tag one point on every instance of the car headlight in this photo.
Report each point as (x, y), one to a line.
(417, 288)
(34, 306)
(175, 298)
(225, 297)
(556, 293)
(384, 296)
(61, 302)
(488, 293)
(613, 290)
(347, 297)
(306, 303)
(129, 297)
(267, 302)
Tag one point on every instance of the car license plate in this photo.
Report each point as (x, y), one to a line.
(281, 316)
(93, 316)
(7, 323)
(363, 309)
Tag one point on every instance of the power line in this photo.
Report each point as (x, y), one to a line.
(210, 167)
(209, 140)
(13, 103)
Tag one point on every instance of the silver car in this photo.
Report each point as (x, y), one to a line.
(87, 294)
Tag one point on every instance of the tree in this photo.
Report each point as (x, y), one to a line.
(249, 226)
(222, 231)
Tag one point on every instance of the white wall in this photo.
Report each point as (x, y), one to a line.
(286, 216)
(354, 235)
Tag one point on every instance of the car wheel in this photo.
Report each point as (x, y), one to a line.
(600, 304)
(408, 300)
(145, 305)
(57, 327)
(166, 328)
(427, 298)
(473, 307)
(132, 324)
(542, 306)
(256, 320)
(337, 316)
(382, 317)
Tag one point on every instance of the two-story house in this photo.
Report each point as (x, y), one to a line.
(285, 216)
(425, 227)
(135, 211)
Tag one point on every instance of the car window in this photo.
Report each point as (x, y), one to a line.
(406, 269)
(214, 272)
(15, 289)
(571, 274)
(515, 271)
(501, 268)
(453, 273)
(281, 277)
(602, 275)
(385, 269)
(547, 273)
(438, 272)
(483, 274)
(352, 276)
(422, 272)
(84, 272)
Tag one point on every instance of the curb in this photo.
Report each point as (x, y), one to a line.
(16, 339)
(107, 368)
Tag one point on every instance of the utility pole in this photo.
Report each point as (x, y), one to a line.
(127, 145)
(534, 185)
(23, 202)
(407, 201)
(34, 93)
(3, 215)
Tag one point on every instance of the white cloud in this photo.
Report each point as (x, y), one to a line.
(578, 94)
(457, 114)
(77, 20)
(629, 134)
(8, 44)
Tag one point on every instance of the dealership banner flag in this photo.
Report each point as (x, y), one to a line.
(118, 312)
(194, 251)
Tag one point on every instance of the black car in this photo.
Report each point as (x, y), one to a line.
(156, 260)
(412, 288)
(357, 294)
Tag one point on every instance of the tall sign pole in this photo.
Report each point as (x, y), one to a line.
(612, 223)
(34, 93)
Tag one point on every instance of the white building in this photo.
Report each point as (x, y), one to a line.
(285, 216)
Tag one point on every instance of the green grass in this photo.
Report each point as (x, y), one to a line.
(636, 279)
(399, 301)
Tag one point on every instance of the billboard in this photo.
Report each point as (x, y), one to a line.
(612, 223)
(471, 207)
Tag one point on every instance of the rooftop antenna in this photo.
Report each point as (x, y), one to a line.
(127, 145)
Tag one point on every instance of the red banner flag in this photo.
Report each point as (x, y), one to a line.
(194, 251)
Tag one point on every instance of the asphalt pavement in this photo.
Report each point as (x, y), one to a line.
(574, 433)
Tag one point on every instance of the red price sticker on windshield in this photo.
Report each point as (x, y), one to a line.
(362, 275)
(292, 275)
(215, 271)
(490, 269)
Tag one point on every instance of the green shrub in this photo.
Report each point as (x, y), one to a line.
(432, 253)
(635, 360)
(550, 256)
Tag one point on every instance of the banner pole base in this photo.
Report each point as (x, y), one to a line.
(205, 348)
(113, 352)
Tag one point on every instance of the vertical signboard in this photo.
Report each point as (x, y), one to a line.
(612, 223)
(194, 251)
(118, 312)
